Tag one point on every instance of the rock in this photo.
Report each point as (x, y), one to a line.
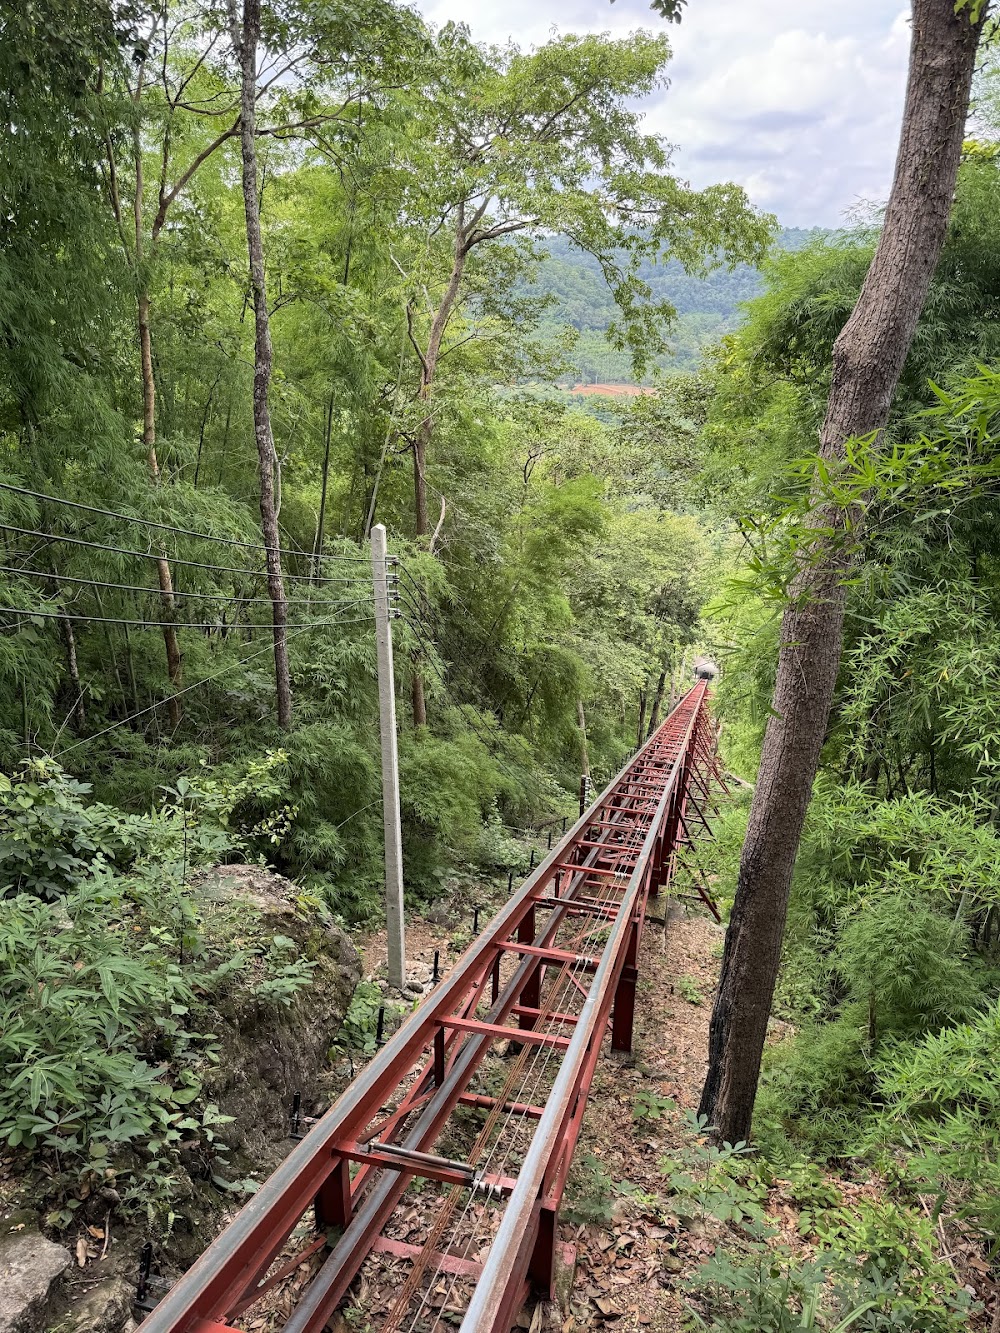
(268, 1050)
(441, 916)
(105, 1309)
(271, 1051)
(30, 1269)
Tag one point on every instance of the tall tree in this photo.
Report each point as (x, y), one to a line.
(246, 36)
(868, 359)
(512, 145)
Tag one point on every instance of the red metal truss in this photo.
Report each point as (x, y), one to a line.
(498, 1060)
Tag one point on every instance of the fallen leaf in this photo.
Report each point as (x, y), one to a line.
(81, 1250)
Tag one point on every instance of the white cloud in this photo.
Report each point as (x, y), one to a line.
(797, 100)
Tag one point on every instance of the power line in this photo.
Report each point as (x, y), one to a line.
(488, 741)
(196, 685)
(164, 527)
(172, 559)
(431, 612)
(476, 687)
(157, 592)
(162, 624)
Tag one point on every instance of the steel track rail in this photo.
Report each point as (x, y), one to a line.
(578, 917)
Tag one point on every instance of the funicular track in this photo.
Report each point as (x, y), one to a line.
(473, 1109)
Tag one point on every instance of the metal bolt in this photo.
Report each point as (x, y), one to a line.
(531, 863)
(550, 840)
(475, 921)
(510, 881)
(437, 961)
(380, 1026)
(296, 1115)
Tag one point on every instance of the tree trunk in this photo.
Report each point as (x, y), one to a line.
(425, 431)
(868, 358)
(245, 45)
(643, 705)
(581, 718)
(661, 680)
(321, 519)
(164, 576)
(167, 601)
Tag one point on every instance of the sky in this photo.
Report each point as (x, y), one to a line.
(799, 101)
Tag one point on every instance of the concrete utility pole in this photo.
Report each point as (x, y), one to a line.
(390, 762)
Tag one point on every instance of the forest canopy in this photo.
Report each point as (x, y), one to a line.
(273, 274)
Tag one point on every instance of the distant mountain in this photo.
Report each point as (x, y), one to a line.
(706, 307)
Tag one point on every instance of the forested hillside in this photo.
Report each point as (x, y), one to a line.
(251, 305)
(707, 305)
(272, 276)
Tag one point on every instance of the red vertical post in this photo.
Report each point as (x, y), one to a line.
(333, 1202)
(531, 991)
(623, 1016)
(439, 1057)
(542, 1265)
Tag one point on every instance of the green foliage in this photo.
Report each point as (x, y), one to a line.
(651, 1106)
(875, 1270)
(902, 956)
(360, 1026)
(108, 980)
(589, 1191)
(689, 990)
(940, 1101)
(51, 838)
(102, 1052)
(286, 973)
(768, 1290)
(708, 1180)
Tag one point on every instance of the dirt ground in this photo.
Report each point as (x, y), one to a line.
(632, 1266)
(628, 1269)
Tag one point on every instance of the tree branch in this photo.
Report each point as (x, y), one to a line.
(412, 338)
(437, 530)
(185, 176)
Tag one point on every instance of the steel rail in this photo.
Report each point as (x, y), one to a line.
(444, 1043)
(621, 850)
(510, 1254)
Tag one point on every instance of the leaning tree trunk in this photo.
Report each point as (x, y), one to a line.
(640, 730)
(868, 358)
(245, 44)
(661, 681)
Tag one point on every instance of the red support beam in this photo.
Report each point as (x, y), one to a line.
(559, 960)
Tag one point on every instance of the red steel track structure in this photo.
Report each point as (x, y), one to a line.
(498, 1059)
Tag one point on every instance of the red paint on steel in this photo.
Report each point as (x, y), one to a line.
(562, 952)
(500, 1030)
(448, 1263)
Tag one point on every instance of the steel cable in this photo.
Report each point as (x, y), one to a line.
(637, 836)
